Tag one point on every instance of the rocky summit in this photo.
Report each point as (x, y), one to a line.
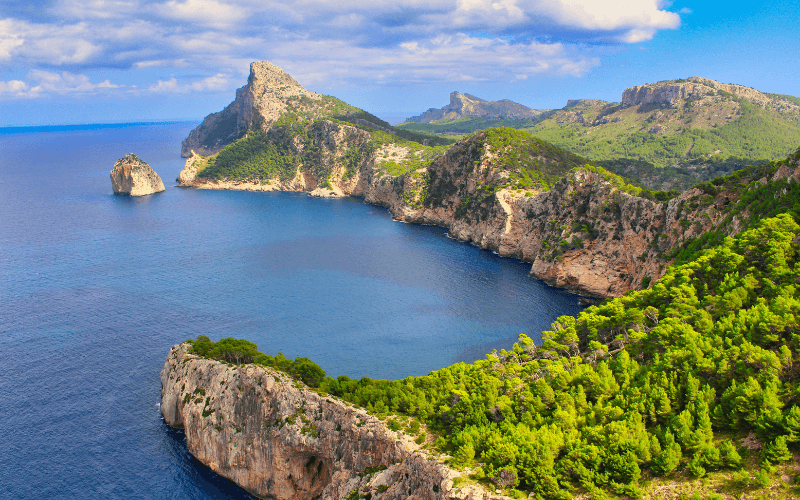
(134, 177)
(264, 99)
(468, 105)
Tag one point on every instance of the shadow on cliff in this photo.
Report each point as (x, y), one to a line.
(208, 483)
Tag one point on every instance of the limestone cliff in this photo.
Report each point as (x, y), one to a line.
(134, 177)
(675, 93)
(279, 440)
(471, 106)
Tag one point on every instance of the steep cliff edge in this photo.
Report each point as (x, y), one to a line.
(279, 440)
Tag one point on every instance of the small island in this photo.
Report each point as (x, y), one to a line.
(134, 177)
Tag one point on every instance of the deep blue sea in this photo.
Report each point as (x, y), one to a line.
(95, 289)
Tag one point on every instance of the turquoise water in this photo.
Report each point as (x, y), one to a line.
(95, 289)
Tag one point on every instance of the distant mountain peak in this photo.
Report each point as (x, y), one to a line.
(469, 105)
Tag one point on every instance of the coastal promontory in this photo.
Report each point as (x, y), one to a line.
(278, 439)
(133, 177)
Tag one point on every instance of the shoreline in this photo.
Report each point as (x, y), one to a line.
(584, 299)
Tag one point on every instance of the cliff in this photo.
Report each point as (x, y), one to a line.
(266, 97)
(134, 177)
(468, 105)
(676, 92)
(279, 440)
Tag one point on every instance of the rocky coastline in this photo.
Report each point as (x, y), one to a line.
(588, 232)
(279, 440)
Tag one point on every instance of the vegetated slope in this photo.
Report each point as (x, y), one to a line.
(700, 126)
(694, 378)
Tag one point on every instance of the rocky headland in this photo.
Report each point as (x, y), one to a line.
(134, 177)
(279, 440)
(579, 226)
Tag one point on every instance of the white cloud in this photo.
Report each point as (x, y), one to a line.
(168, 86)
(43, 43)
(213, 83)
(41, 83)
(100, 9)
(16, 88)
(203, 12)
(443, 58)
(347, 41)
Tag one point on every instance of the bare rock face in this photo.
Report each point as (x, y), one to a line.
(675, 92)
(259, 103)
(278, 440)
(134, 177)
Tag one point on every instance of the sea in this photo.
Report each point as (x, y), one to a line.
(96, 288)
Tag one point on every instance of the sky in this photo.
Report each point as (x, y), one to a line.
(112, 61)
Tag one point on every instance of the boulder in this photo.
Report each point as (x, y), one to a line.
(134, 177)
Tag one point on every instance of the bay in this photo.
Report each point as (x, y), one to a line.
(95, 289)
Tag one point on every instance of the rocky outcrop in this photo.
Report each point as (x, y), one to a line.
(258, 104)
(281, 441)
(675, 92)
(132, 176)
(469, 105)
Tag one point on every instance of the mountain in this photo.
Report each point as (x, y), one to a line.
(699, 127)
(465, 105)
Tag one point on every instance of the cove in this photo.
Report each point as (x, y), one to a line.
(96, 288)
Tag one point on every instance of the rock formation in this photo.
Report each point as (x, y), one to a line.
(279, 440)
(469, 105)
(134, 177)
(675, 92)
(257, 105)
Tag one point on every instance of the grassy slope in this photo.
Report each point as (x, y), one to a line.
(743, 133)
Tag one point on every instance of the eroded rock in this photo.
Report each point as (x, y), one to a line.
(134, 177)
(279, 440)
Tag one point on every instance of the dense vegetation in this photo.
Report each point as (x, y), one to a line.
(240, 351)
(754, 195)
(659, 380)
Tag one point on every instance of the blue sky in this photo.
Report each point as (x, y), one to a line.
(106, 61)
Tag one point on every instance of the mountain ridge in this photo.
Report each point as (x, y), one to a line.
(469, 105)
(699, 127)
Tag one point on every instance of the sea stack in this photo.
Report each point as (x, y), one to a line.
(134, 177)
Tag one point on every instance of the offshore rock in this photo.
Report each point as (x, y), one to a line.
(279, 440)
(134, 177)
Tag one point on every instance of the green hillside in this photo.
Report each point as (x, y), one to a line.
(699, 138)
